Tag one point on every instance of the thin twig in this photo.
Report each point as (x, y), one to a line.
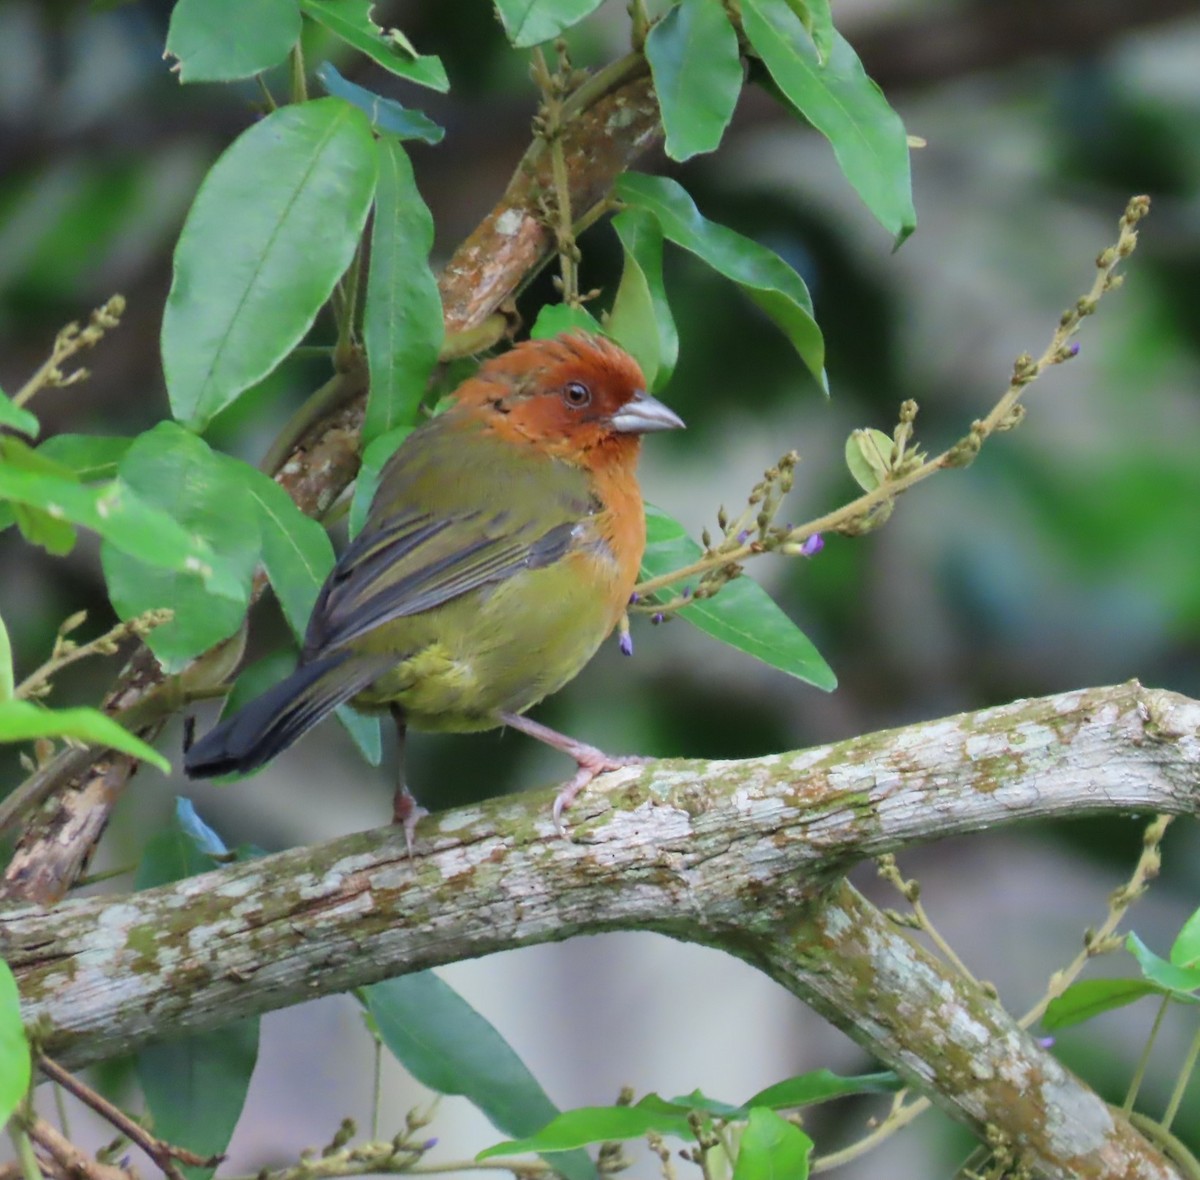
(549, 125)
(67, 343)
(162, 1153)
(1101, 940)
(73, 1161)
(65, 652)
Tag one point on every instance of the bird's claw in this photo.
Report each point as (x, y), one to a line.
(407, 812)
(588, 769)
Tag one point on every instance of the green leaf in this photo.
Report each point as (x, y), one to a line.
(350, 21)
(771, 1148)
(449, 1047)
(386, 114)
(7, 679)
(45, 526)
(254, 679)
(195, 1087)
(15, 1063)
(16, 418)
(173, 468)
(843, 104)
(298, 555)
(219, 40)
(364, 729)
(696, 1100)
(742, 614)
(530, 22)
(868, 456)
(562, 317)
(595, 1124)
(24, 721)
(296, 551)
(402, 321)
(127, 523)
(373, 460)
(1179, 981)
(697, 68)
(1081, 1001)
(87, 456)
(1185, 950)
(68, 456)
(641, 319)
(819, 1085)
(762, 275)
(817, 18)
(272, 229)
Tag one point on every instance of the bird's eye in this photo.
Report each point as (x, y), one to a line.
(576, 394)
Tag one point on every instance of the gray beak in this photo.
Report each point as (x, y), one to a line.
(645, 414)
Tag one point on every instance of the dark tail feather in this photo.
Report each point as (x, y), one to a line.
(272, 722)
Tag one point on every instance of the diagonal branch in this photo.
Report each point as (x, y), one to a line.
(948, 1039)
(735, 855)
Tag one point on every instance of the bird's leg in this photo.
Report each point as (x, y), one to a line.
(406, 811)
(590, 760)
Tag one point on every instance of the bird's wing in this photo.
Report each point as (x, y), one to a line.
(429, 540)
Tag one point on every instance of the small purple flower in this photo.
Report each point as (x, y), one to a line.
(1046, 1042)
(812, 546)
(743, 536)
(657, 617)
(626, 643)
(687, 592)
(429, 1144)
(634, 597)
(1074, 349)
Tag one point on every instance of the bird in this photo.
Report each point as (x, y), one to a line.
(500, 550)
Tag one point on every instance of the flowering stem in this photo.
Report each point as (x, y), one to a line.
(1004, 415)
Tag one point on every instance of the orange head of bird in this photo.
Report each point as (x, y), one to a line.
(576, 396)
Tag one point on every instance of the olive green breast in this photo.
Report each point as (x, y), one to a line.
(510, 550)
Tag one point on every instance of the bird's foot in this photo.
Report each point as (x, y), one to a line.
(407, 812)
(592, 762)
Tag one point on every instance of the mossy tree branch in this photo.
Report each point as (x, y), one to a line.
(743, 856)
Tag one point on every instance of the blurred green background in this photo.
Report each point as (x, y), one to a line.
(1067, 556)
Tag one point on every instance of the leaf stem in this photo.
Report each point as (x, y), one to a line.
(1135, 1083)
(1181, 1084)
(29, 1164)
(299, 81)
(347, 311)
